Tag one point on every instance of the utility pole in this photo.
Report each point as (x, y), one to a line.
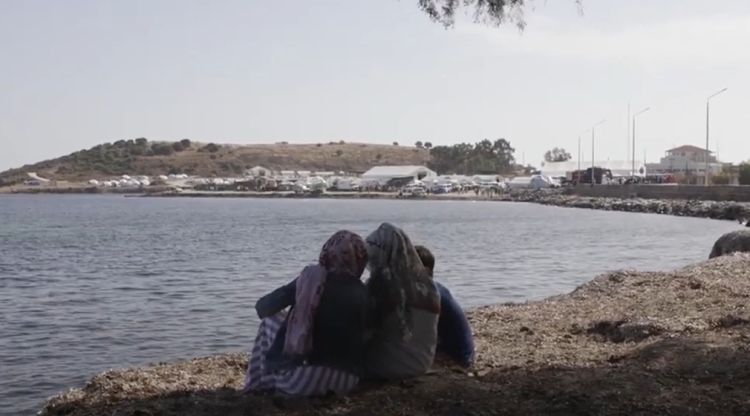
(707, 131)
(627, 149)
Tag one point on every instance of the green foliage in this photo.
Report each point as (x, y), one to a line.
(720, 179)
(395, 143)
(177, 146)
(745, 173)
(211, 148)
(142, 142)
(418, 144)
(186, 143)
(557, 154)
(160, 149)
(484, 157)
(428, 145)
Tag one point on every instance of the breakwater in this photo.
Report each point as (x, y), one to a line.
(719, 210)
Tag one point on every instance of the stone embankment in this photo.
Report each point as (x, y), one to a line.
(626, 343)
(720, 210)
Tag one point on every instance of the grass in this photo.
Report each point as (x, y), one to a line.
(141, 157)
(627, 343)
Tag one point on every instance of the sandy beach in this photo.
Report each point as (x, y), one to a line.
(626, 343)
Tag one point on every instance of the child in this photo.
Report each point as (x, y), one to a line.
(455, 338)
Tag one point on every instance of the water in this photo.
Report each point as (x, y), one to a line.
(89, 283)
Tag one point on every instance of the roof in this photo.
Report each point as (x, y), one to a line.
(395, 171)
(689, 148)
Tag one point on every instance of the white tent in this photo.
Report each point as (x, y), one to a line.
(383, 174)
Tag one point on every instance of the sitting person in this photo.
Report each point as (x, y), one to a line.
(318, 347)
(455, 338)
(404, 308)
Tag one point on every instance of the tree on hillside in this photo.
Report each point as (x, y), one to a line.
(428, 145)
(484, 157)
(557, 154)
(491, 12)
(418, 144)
(141, 141)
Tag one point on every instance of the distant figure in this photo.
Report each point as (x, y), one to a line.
(318, 347)
(404, 308)
(455, 338)
(732, 242)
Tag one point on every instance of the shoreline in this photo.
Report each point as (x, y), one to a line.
(564, 198)
(626, 343)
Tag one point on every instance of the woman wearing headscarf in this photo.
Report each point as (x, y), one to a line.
(404, 307)
(318, 347)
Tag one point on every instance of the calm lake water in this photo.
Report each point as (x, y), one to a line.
(89, 283)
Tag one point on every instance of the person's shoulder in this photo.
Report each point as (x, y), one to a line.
(444, 291)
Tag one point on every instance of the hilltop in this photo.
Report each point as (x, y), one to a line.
(143, 157)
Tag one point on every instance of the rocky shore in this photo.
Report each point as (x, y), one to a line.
(719, 210)
(627, 343)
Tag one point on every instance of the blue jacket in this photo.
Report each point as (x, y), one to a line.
(455, 337)
(338, 326)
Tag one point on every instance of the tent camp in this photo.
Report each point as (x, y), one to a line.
(383, 174)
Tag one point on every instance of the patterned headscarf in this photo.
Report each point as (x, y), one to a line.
(398, 280)
(344, 254)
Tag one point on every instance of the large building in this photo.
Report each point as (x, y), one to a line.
(687, 160)
(383, 174)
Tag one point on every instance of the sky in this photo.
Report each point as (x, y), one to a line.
(78, 73)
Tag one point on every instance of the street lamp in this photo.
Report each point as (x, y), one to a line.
(634, 116)
(579, 148)
(707, 131)
(593, 168)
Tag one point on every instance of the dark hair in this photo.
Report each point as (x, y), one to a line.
(428, 260)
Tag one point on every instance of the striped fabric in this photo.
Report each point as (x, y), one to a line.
(299, 381)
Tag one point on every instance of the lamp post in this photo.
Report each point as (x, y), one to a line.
(579, 148)
(707, 129)
(593, 135)
(634, 116)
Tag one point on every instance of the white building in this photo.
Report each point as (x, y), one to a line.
(617, 167)
(687, 160)
(382, 174)
(259, 171)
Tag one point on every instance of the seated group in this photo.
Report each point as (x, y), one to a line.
(341, 330)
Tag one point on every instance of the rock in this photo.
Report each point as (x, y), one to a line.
(720, 210)
(731, 242)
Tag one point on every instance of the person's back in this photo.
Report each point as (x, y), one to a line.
(404, 310)
(338, 328)
(338, 332)
(317, 346)
(455, 337)
(389, 356)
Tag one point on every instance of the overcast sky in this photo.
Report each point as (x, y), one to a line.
(77, 73)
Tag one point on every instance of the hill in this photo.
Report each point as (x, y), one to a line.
(143, 157)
